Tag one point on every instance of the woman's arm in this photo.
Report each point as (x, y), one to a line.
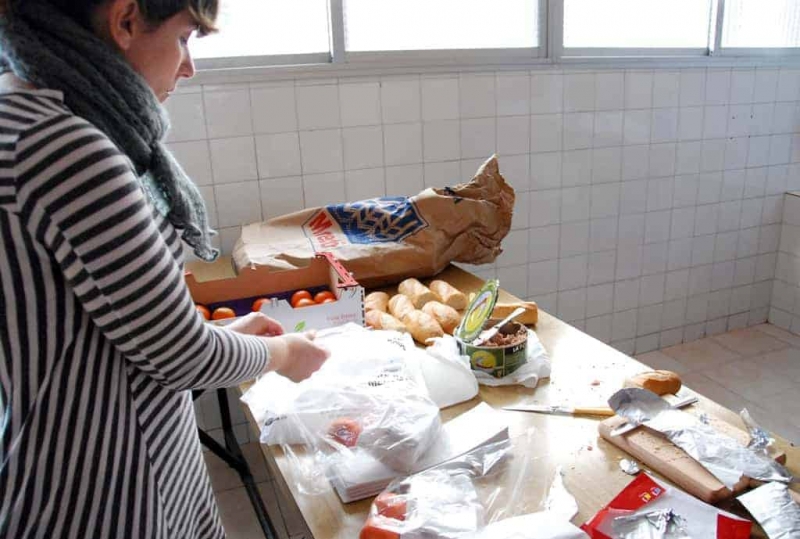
(78, 196)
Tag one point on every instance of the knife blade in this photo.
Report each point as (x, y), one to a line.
(603, 411)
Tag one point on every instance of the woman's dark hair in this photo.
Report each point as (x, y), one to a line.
(154, 11)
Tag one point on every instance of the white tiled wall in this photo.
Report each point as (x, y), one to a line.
(649, 202)
(785, 306)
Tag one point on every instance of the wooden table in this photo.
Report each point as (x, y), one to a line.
(584, 371)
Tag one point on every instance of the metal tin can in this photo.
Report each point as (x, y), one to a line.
(499, 360)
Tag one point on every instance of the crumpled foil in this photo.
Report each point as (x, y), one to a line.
(630, 467)
(773, 507)
(721, 455)
(760, 440)
(661, 524)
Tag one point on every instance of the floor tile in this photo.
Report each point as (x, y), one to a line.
(777, 422)
(701, 354)
(659, 360)
(238, 517)
(710, 389)
(749, 342)
(784, 362)
(779, 333)
(749, 379)
(223, 477)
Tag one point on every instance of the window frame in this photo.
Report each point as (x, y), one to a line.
(745, 52)
(549, 52)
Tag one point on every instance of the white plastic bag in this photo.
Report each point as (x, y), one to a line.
(528, 375)
(370, 394)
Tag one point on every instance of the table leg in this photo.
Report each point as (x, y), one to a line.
(231, 453)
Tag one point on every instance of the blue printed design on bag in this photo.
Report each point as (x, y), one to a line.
(378, 220)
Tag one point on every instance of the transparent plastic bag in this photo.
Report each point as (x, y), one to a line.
(489, 493)
(368, 397)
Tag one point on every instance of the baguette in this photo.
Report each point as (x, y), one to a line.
(447, 317)
(418, 293)
(451, 296)
(659, 382)
(380, 320)
(376, 301)
(400, 306)
(529, 317)
(422, 326)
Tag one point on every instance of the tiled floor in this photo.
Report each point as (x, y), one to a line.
(756, 368)
(235, 510)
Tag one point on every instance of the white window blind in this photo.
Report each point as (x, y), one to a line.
(647, 24)
(761, 23)
(394, 25)
(266, 28)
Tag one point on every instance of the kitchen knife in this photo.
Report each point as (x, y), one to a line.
(604, 411)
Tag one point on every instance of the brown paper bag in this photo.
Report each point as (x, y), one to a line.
(384, 240)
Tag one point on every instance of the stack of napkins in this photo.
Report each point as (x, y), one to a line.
(357, 475)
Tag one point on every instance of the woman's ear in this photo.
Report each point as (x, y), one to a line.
(123, 22)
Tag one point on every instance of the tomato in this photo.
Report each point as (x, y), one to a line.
(258, 303)
(328, 300)
(203, 310)
(300, 294)
(345, 431)
(222, 313)
(303, 302)
(391, 505)
(320, 297)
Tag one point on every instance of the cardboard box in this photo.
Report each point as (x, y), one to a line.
(218, 285)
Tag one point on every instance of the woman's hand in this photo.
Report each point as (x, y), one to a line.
(257, 324)
(295, 355)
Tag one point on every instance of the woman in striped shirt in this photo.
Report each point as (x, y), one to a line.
(99, 338)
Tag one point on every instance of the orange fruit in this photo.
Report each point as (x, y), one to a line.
(222, 313)
(203, 310)
(300, 294)
(303, 302)
(258, 303)
(320, 297)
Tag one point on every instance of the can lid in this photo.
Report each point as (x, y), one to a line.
(478, 311)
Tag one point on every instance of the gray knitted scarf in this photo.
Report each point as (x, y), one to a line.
(48, 49)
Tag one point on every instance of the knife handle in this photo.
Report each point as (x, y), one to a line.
(594, 410)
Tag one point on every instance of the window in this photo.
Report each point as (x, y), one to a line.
(391, 32)
(267, 28)
(761, 23)
(633, 24)
(395, 25)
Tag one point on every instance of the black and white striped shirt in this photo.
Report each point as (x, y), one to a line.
(99, 342)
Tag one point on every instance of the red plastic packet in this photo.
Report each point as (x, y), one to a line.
(703, 520)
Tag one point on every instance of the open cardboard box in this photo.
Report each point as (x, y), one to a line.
(218, 285)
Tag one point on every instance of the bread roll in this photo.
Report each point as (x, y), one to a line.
(418, 293)
(422, 326)
(447, 317)
(451, 296)
(380, 320)
(659, 382)
(376, 301)
(529, 317)
(399, 306)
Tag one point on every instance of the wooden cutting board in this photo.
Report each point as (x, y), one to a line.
(661, 455)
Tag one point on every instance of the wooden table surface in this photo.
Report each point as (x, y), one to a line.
(584, 371)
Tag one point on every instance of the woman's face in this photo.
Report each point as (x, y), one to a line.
(160, 54)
